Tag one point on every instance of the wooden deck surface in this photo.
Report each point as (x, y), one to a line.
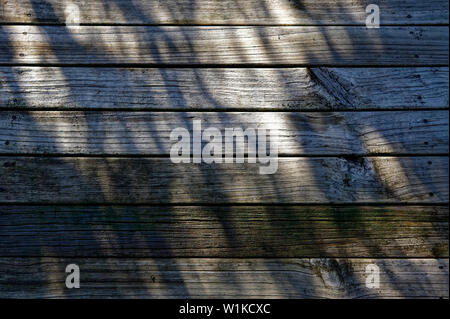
(362, 121)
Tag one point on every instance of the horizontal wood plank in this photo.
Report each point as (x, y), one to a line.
(224, 89)
(55, 110)
(305, 12)
(223, 231)
(158, 180)
(223, 278)
(173, 45)
(125, 133)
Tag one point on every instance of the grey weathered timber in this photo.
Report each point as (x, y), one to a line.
(305, 12)
(223, 278)
(361, 117)
(363, 133)
(224, 89)
(158, 180)
(231, 45)
(223, 231)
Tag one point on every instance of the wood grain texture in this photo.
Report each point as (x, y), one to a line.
(224, 89)
(158, 180)
(223, 278)
(228, 45)
(94, 133)
(223, 231)
(305, 12)
(129, 220)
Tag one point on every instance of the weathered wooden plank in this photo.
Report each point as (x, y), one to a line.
(234, 88)
(224, 45)
(364, 133)
(223, 231)
(223, 278)
(305, 12)
(158, 180)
